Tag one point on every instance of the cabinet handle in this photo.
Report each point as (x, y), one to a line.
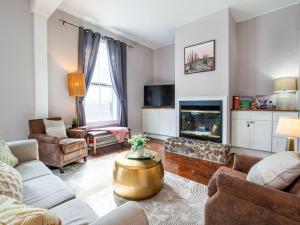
(248, 123)
(252, 122)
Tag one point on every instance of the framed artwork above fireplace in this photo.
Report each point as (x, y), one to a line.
(200, 57)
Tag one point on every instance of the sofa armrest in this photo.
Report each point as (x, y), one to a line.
(44, 138)
(127, 214)
(24, 150)
(277, 201)
(75, 133)
(243, 163)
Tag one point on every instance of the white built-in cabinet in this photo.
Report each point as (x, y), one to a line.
(160, 121)
(257, 130)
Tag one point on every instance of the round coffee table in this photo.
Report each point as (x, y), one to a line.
(137, 179)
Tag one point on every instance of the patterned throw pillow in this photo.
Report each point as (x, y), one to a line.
(6, 155)
(276, 171)
(11, 212)
(10, 182)
(55, 128)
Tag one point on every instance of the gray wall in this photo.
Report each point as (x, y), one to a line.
(215, 83)
(268, 47)
(62, 58)
(164, 65)
(16, 62)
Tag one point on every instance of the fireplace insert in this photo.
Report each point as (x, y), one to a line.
(201, 120)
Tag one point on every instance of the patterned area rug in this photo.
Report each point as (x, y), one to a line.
(181, 201)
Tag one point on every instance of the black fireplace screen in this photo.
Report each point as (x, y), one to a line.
(201, 120)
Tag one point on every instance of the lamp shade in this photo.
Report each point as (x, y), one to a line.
(289, 127)
(287, 84)
(76, 84)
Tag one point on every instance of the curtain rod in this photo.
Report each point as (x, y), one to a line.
(73, 25)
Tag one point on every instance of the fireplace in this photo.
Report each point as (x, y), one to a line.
(201, 120)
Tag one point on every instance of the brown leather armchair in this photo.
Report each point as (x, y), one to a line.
(235, 201)
(58, 152)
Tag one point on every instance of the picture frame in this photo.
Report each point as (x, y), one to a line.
(200, 57)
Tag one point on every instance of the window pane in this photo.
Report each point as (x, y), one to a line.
(101, 72)
(107, 111)
(92, 104)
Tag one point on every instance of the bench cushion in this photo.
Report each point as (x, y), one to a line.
(45, 192)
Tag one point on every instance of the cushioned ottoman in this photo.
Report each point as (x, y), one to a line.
(214, 152)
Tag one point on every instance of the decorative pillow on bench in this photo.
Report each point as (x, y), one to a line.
(276, 171)
(6, 155)
(11, 212)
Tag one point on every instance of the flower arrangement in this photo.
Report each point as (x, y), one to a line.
(138, 142)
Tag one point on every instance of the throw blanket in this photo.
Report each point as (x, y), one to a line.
(118, 132)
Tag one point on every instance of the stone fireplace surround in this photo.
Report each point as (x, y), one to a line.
(225, 113)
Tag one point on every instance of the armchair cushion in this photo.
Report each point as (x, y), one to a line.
(276, 171)
(55, 128)
(68, 145)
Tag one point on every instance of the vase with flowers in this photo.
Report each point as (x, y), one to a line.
(138, 143)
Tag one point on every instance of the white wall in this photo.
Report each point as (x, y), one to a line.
(164, 65)
(268, 48)
(17, 73)
(214, 83)
(62, 58)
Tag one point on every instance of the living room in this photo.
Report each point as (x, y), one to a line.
(150, 112)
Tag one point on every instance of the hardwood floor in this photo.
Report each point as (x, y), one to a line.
(194, 169)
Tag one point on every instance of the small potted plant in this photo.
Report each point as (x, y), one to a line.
(138, 143)
(75, 122)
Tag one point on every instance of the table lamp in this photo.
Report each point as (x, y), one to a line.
(76, 84)
(284, 86)
(291, 128)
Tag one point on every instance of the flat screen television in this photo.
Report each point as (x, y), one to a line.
(159, 95)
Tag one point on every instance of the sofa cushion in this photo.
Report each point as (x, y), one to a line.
(6, 155)
(68, 145)
(32, 169)
(55, 128)
(212, 185)
(45, 192)
(276, 171)
(11, 212)
(10, 182)
(75, 212)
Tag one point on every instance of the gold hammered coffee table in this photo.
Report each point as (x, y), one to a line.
(137, 179)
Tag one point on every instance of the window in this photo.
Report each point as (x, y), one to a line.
(100, 101)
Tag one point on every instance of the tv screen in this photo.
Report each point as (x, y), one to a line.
(159, 95)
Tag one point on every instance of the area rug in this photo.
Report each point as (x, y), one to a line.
(181, 201)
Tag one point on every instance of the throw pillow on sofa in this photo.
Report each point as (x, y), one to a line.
(276, 171)
(10, 182)
(11, 212)
(55, 128)
(6, 155)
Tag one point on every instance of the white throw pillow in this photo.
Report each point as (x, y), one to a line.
(276, 171)
(55, 128)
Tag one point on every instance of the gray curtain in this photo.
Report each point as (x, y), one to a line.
(118, 67)
(87, 55)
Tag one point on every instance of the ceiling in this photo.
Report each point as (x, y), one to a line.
(153, 22)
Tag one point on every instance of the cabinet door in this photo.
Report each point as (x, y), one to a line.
(150, 122)
(240, 133)
(261, 135)
(164, 124)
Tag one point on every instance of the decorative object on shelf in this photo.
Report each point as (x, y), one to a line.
(285, 87)
(236, 102)
(261, 101)
(75, 122)
(291, 128)
(199, 58)
(245, 102)
(138, 143)
(76, 84)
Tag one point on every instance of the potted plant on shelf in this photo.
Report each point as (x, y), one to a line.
(138, 143)
(75, 122)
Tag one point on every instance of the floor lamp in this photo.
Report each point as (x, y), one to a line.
(76, 85)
